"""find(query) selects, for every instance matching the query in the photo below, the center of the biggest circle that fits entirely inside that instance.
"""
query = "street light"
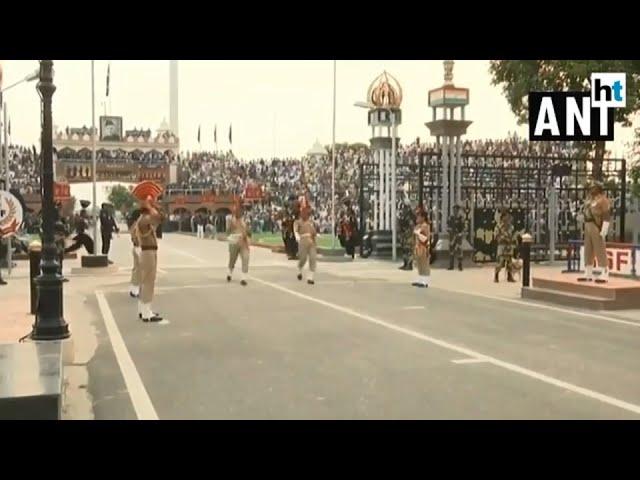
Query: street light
(29, 78)
(49, 324)
(394, 236)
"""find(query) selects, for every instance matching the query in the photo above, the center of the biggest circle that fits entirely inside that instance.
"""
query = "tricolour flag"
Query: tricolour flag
(198, 133)
(215, 134)
(230, 137)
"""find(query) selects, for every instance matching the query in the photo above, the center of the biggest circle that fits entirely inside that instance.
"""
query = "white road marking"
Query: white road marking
(191, 266)
(186, 254)
(470, 360)
(481, 295)
(417, 307)
(466, 351)
(164, 321)
(199, 286)
(547, 307)
(137, 392)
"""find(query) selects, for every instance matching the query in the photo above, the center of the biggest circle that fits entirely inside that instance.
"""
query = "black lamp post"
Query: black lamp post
(49, 324)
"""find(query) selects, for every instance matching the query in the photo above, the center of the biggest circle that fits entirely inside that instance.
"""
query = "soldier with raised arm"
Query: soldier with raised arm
(145, 229)
(422, 233)
(238, 238)
(306, 232)
(597, 215)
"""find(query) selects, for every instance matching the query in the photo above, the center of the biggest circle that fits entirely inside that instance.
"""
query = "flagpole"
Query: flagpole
(93, 155)
(333, 163)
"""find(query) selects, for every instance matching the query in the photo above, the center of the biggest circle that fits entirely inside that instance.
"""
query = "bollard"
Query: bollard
(527, 240)
(35, 255)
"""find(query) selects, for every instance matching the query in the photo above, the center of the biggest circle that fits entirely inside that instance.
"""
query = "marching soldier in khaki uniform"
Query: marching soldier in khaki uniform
(422, 234)
(305, 232)
(597, 216)
(145, 228)
(238, 238)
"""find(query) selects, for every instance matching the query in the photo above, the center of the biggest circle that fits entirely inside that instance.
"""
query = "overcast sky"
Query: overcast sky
(276, 107)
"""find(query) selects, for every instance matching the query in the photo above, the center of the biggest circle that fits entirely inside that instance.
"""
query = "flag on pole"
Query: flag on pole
(198, 133)
(230, 137)
(108, 77)
(215, 134)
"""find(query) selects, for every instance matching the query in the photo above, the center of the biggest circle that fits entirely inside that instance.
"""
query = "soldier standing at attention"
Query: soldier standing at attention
(238, 239)
(107, 227)
(597, 216)
(505, 237)
(457, 227)
(306, 232)
(134, 291)
(145, 228)
(422, 235)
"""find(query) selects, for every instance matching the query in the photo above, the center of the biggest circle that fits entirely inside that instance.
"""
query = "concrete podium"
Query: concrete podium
(564, 289)
(31, 376)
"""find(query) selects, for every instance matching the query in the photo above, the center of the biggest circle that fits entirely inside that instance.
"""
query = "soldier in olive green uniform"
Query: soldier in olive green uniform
(407, 237)
(504, 234)
(457, 228)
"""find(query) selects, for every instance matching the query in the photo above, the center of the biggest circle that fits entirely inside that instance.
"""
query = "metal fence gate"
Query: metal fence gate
(543, 194)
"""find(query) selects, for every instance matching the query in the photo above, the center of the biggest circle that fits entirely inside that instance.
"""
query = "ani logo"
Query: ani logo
(10, 214)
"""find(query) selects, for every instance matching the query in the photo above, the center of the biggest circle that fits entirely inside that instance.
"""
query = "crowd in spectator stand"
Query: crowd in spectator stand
(280, 178)
(24, 173)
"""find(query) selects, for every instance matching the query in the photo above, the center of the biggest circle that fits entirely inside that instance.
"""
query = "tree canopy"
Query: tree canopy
(121, 198)
(519, 77)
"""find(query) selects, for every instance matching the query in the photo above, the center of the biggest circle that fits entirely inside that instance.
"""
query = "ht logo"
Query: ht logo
(555, 115)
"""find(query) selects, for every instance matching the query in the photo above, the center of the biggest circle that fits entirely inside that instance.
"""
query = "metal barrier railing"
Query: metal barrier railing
(573, 257)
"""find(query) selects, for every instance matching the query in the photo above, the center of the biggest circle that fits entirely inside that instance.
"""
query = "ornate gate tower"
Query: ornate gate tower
(384, 98)
(448, 128)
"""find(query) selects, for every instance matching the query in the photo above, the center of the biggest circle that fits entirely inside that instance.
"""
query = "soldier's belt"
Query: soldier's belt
(148, 248)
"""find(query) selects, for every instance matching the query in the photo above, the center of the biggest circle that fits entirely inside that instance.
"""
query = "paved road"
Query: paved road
(349, 347)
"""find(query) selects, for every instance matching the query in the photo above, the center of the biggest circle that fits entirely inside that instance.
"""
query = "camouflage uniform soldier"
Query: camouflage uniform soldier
(407, 237)
(504, 234)
(457, 227)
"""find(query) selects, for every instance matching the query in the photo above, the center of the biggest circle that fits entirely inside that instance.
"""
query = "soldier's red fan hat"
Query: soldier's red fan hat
(147, 189)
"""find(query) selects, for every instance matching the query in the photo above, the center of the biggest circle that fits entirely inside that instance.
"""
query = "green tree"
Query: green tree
(121, 198)
(519, 77)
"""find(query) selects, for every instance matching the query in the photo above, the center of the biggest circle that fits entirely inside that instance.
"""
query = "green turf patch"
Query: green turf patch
(324, 241)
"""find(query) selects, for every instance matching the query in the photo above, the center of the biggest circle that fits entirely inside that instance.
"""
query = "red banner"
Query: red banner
(253, 192)
(61, 191)
(181, 200)
(208, 198)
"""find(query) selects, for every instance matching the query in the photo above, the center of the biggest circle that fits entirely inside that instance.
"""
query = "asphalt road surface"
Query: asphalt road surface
(346, 348)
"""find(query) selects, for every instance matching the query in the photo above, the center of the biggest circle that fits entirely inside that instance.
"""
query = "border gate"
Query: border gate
(544, 195)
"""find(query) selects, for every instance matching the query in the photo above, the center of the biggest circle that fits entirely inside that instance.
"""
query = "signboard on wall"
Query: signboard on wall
(620, 260)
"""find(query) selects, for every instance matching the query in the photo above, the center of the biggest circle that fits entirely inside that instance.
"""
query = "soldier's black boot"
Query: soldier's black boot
(450, 263)
(460, 265)
(510, 277)
(495, 278)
